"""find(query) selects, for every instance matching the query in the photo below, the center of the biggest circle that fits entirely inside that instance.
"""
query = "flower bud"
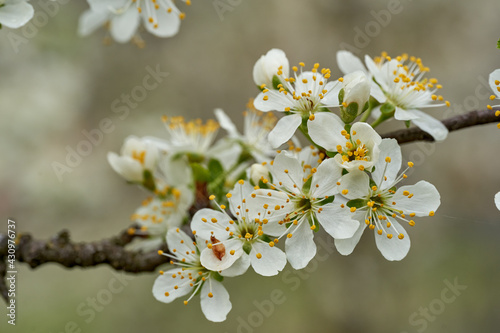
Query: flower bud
(267, 67)
(137, 156)
(257, 172)
(356, 92)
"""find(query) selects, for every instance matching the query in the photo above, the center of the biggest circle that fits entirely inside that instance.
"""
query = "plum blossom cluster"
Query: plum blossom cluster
(217, 208)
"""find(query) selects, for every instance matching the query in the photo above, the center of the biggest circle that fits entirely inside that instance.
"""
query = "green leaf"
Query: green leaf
(358, 203)
(215, 168)
(276, 82)
(247, 247)
(408, 123)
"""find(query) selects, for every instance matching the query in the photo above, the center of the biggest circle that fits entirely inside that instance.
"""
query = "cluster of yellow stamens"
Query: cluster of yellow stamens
(409, 77)
(302, 101)
(353, 150)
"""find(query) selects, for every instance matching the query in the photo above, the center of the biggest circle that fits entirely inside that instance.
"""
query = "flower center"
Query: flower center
(353, 150)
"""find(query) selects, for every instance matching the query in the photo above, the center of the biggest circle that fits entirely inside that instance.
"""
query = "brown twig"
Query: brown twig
(469, 119)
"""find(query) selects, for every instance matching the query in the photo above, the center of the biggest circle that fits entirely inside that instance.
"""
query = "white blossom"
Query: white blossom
(239, 235)
(402, 85)
(381, 208)
(301, 200)
(190, 276)
(302, 97)
(137, 156)
(161, 18)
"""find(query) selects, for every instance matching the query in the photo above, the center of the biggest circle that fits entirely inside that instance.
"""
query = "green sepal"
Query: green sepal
(195, 157)
(148, 180)
(498, 44)
(372, 183)
(331, 153)
(358, 203)
(266, 238)
(307, 185)
(216, 276)
(247, 247)
(276, 82)
(387, 109)
(408, 123)
(348, 114)
(200, 173)
(327, 200)
(344, 172)
(341, 95)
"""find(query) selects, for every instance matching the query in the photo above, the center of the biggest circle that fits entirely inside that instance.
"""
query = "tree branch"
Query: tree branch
(469, 119)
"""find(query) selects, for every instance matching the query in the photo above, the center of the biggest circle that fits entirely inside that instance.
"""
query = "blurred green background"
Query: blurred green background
(57, 84)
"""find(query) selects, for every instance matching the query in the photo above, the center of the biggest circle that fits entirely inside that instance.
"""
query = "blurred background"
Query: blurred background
(54, 85)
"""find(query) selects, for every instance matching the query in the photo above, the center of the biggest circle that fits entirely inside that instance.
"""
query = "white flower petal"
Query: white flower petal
(324, 181)
(287, 170)
(226, 123)
(497, 200)
(124, 26)
(325, 130)
(393, 249)
(402, 114)
(165, 283)
(355, 185)
(127, 167)
(347, 245)
(216, 224)
(217, 307)
(239, 267)
(300, 248)
(349, 63)
(211, 262)
(430, 125)
(275, 101)
(388, 148)
(285, 128)
(90, 21)
(425, 199)
(267, 66)
(15, 15)
(337, 221)
(378, 93)
(365, 133)
(272, 259)
(168, 22)
(181, 244)
(277, 209)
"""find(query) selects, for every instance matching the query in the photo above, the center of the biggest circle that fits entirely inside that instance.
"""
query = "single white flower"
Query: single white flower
(358, 149)
(15, 13)
(356, 87)
(379, 206)
(302, 97)
(161, 18)
(497, 200)
(190, 276)
(495, 86)
(158, 214)
(402, 85)
(303, 196)
(257, 126)
(267, 66)
(137, 157)
(240, 235)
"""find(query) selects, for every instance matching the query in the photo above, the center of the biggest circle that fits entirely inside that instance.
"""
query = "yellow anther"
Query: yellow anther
(313, 227)
(212, 197)
(289, 236)
(229, 195)
(271, 244)
(353, 209)
(401, 236)
(431, 213)
(312, 117)
(379, 231)
(389, 236)
(406, 193)
(160, 252)
(388, 159)
(344, 192)
(258, 255)
(410, 164)
(374, 188)
(361, 168)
